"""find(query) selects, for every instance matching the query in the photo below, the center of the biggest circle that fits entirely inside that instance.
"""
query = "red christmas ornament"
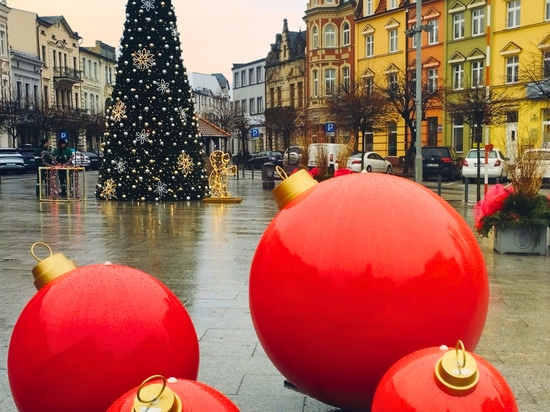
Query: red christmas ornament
(356, 272)
(436, 379)
(93, 333)
(173, 395)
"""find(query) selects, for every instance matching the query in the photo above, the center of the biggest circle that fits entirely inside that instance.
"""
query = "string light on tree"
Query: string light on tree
(152, 148)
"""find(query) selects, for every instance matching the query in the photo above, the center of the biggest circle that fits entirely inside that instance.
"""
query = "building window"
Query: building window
(392, 138)
(346, 34)
(243, 78)
(292, 94)
(300, 94)
(330, 36)
(512, 69)
(315, 83)
(458, 77)
(478, 22)
(392, 4)
(260, 104)
(547, 10)
(458, 26)
(346, 78)
(251, 79)
(314, 38)
(368, 7)
(393, 40)
(235, 80)
(369, 46)
(433, 33)
(513, 13)
(546, 64)
(369, 86)
(330, 81)
(251, 105)
(458, 133)
(392, 84)
(243, 106)
(3, 43)
(432, 80)
(477, 74)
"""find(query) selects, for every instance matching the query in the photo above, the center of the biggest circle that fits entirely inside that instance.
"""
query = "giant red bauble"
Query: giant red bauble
(357, 272)
(411, 385)
(94, 333)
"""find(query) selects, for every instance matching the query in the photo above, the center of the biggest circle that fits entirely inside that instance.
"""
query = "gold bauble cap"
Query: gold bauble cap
(456, 372)
(156, 397)
(51, 267)
(292, 186)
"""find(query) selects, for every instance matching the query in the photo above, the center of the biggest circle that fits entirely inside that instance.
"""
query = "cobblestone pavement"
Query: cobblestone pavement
(203, 253)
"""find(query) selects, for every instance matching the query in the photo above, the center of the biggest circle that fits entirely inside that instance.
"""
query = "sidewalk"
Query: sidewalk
(202, 252)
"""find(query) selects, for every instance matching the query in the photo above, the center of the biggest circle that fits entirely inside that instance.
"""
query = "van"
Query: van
(330, 152)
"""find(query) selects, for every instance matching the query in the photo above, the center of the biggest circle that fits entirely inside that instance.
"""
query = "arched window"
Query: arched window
(346, 38)
(330, 36)
(314, 38)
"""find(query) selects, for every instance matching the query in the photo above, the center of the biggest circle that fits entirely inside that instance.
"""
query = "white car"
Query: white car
(542, 157)
(373, 163)
(496, 165)
(81, 160)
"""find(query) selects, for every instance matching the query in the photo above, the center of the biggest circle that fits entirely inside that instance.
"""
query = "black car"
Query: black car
(260, 158)
(95, 160)
(28, 157)
(441, 161)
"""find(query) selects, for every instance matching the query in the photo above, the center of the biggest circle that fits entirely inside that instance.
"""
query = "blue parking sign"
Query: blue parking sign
(255, 133)
(330, 127)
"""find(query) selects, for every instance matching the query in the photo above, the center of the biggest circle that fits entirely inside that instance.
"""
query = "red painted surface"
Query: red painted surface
(358, 272)
(410, 386)
(94, 333)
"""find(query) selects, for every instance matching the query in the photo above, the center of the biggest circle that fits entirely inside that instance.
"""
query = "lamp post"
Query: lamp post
(417, 31)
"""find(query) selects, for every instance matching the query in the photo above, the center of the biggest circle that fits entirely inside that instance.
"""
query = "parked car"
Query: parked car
(496, 165)
(293, 158)
(256, 161)
(95, 160)
(80, 160)
(11, 161)
(332, 152)
(28, 158)
(441, 161)
(373, 162)
(542, 156)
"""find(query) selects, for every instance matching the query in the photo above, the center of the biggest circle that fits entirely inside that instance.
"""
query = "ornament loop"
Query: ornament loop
(281, 172)
(41, 244)
(460, 345)
(149, 379)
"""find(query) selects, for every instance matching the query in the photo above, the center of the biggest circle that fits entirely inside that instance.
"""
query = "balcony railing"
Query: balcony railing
(67, 74)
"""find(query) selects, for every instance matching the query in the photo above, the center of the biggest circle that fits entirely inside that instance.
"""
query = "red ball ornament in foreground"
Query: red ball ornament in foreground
(94, 332)
(438, 379)
(356, 272)
(173, 395)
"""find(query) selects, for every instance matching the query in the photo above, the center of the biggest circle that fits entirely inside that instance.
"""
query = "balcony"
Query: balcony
(66, 76)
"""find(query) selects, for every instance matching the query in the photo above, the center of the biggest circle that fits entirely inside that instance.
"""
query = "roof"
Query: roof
(209, 129)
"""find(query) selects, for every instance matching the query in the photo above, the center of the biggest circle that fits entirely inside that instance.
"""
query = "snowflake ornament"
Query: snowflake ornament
(185, 164)
(160, 188)
(119, 111)
(163, 86)
(174, 31)
(182, 113)
(148, 4)
(143, 59)
(109, 189)
(120, 166)
(142, 137)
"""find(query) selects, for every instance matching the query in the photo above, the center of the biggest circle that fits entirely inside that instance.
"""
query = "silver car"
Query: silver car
(496, 163)
(373, 162)
(11, 161)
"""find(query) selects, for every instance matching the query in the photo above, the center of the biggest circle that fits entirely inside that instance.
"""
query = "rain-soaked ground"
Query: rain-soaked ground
(202, 252)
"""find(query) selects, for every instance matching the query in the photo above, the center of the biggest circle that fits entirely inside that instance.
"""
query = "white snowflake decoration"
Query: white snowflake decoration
(143, 59)
(160, 188)
(182, 113)
(163, 86)
(185, 163)
(142, 137)
(174, 31)
(148, 4)
(120, 166)
(119, 111)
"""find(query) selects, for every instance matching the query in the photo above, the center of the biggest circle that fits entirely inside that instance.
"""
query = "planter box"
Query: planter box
(519, 240)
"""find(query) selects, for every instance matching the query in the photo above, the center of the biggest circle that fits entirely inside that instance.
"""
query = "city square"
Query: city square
(203, 253)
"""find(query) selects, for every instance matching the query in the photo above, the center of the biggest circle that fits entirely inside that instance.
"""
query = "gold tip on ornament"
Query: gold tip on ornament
(456, 371)
(51, 267)
(292, 186)
(156, 397)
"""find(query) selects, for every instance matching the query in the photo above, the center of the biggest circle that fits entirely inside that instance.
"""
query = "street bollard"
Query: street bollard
(439, 185)
(466, 189)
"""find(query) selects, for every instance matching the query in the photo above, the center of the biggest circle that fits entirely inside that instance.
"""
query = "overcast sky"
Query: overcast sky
(214, 33)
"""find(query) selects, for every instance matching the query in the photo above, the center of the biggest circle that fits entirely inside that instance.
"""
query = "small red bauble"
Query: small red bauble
(174, 395)
(93, 333)
(436, 379)
(356, 272)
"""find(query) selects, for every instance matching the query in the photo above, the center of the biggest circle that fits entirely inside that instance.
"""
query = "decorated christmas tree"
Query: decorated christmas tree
(152, 148)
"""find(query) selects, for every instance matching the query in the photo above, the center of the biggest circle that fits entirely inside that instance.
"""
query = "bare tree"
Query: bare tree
(13, 113)
(400, 89)
(479, 106)
(241, 124)
(281, 121)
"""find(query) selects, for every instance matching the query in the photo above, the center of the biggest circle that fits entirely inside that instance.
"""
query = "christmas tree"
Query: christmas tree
(152, 148)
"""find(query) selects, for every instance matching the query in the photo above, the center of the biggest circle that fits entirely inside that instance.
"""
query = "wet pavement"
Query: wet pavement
(202, 252)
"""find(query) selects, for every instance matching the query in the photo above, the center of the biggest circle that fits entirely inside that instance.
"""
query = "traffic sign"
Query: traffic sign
(330, 127)
(254, 133)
